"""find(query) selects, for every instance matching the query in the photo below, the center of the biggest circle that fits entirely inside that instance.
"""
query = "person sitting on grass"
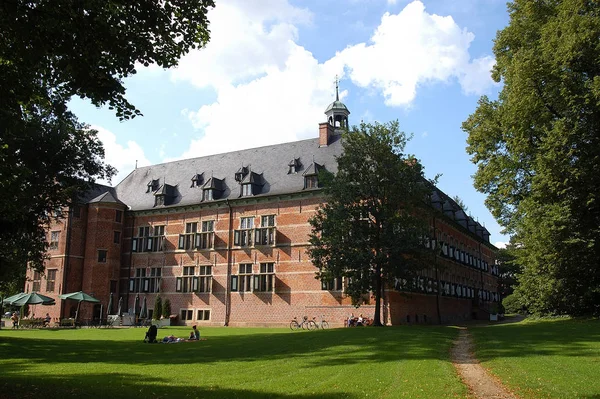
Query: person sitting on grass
(194, 334)
(151, 334)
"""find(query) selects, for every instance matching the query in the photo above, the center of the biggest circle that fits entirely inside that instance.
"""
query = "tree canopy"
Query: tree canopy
(537, 150)
(51, 51)
(370, 230)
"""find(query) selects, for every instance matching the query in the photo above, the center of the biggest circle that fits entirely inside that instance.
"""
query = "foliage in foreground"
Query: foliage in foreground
(536, 148)
(543, 358)
(248, 363)
(370, 229)
(51, 51)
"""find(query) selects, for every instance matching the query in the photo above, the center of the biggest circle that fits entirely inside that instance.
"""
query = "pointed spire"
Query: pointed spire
(337, 96)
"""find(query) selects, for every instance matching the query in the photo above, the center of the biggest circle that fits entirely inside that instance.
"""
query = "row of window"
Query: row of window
(50, 281)
(461, 256)
(199, 279)
(201, 314)
(446, 288)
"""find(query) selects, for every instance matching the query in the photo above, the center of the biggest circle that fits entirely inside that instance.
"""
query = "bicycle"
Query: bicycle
(305, 324)
(323, 324)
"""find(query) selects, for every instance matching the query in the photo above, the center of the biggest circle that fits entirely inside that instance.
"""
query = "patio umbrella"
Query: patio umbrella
(119, 311)
(33, 298)
(144, 310)
(12, 298)
(79, 296)
(110, 305)
(136, 304)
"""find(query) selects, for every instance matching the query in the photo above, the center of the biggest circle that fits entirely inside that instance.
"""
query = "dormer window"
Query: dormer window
(311, 181)
(165, 195)
(198, 180)
(251, 184)
(311, 176)
(159, 200)
(153, 185)
(294, 166)
(246, 190)
(212, 189)
(208, 194)
(241, 174)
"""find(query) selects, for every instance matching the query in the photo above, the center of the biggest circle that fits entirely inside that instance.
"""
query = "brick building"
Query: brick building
(224, 237)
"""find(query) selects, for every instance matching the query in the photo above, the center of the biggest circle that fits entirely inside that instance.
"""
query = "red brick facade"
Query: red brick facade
(243, 262)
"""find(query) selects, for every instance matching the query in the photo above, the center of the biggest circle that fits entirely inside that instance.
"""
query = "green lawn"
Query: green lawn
(395, 362)
(557, 358)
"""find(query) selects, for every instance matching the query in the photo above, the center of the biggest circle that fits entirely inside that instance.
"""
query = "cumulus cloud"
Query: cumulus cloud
(500, 244)
(271, 90)
(412, 48)
(122, 158)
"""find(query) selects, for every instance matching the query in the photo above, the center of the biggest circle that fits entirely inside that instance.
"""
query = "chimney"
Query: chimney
(325, 132)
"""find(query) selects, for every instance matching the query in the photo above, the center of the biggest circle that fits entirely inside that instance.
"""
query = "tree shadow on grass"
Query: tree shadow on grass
(338, 346)
(128, 386)
(570, 337)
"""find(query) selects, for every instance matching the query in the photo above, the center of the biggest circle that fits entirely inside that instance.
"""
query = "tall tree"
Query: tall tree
(537, 150)
(49, 52)
(369, 231)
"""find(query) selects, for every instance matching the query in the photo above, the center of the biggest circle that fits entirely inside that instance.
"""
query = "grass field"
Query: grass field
(557, 358)
(396, 362)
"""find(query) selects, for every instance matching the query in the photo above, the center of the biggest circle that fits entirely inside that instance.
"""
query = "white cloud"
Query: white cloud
(122, 158)
(270, 90)
(414, 48)
(500, 244)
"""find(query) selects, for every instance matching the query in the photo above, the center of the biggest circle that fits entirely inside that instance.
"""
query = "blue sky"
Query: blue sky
(268, 73)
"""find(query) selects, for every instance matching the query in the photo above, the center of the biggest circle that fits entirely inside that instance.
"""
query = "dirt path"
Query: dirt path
(481, 384)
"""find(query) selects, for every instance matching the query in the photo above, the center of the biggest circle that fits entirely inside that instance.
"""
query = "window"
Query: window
(186, 314)
(156, 241)
(203, 314)
(243, 237)
(266, 234)
(159, 200)
(54, 239)
(139, 283)
(246, 190)
(334, 284)
(154, 279)
(186, 241)
(117, 237)
(197, 180)
(36, 281)
(187, 283)
(205, 239)
(243, 281)
(208, 194)
(102, 255)
(204, 279)
(138, 244)
(263, 282)
(118, 216)
(311, 181)
(50, 280)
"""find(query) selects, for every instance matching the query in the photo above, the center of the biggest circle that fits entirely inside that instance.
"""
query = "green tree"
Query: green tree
(51, 51)
(158, 308)
(166, 308)
(370, 227)
(536, 148)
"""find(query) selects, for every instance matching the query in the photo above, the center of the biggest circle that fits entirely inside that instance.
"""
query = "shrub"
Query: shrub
(166, 309)
(514, 304)
(158, 308)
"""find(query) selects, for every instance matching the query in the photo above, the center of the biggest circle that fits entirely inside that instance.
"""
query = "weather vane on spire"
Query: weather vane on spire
(337, 96)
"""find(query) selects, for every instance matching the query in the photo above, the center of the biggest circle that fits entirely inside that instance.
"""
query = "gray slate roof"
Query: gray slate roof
(271, 161)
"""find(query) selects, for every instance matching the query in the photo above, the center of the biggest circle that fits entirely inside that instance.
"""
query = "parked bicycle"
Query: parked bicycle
(322, 324)
(306, 324)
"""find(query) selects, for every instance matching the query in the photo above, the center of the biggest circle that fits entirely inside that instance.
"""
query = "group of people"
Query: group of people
(358, 321)
(15, 320)
(153, 332)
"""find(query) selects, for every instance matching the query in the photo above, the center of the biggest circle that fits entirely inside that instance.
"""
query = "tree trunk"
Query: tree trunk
(377, 316)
